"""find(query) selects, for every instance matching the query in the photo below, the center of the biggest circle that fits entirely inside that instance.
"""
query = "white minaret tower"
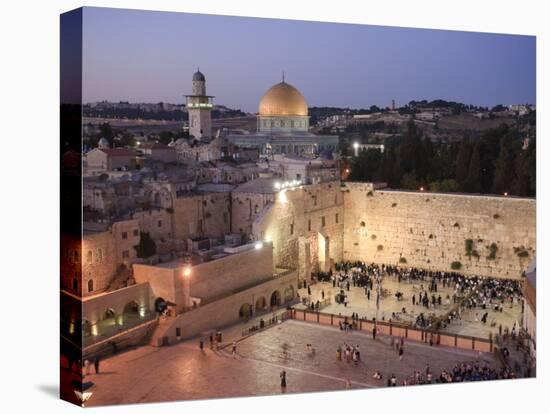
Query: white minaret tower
(199, 107)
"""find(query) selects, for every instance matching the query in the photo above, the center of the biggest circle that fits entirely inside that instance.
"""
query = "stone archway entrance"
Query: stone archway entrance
(261, 304)
(245, 311)
(275, 299)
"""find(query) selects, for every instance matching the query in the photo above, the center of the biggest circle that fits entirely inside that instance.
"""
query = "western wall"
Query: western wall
(315, 226)
(433, 231)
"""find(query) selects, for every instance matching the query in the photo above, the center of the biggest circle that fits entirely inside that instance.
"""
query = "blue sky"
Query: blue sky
(143, 56)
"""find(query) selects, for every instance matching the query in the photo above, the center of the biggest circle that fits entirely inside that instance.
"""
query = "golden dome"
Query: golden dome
(283, 99)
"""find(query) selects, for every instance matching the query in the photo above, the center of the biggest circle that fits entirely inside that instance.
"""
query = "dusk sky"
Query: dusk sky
(142, 56)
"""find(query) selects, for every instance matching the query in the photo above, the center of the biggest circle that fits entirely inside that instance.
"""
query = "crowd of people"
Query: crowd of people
(473, 293)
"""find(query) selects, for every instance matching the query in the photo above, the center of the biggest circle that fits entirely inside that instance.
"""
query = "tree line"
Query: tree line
(497, 162)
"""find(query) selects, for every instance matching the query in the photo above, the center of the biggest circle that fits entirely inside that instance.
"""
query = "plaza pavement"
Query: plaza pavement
(183, 372)
(470, 324)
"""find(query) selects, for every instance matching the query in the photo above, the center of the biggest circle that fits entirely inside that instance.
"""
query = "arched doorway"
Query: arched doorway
(130, 313)
(289, 293)
(109, 314)
(131, 307)
(275, 299)
(261, 304)
(245, 311)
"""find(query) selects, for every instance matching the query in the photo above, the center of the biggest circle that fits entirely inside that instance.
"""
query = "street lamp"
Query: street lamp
(187, 271)
(258, 245)
(356, 148)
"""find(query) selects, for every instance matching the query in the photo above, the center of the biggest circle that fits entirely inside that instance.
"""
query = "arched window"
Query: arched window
(90, 285)
(89, 257)
(99, 255)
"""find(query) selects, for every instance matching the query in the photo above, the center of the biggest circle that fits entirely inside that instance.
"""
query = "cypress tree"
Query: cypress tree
(463, 161)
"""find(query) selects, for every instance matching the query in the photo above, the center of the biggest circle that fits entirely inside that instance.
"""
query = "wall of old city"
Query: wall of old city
(300, 223)
(429, 230)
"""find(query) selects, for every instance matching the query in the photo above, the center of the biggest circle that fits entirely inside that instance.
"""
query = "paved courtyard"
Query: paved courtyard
(183, 372)
(470, 324)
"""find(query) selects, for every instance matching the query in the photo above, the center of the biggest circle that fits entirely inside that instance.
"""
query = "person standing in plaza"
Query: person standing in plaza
(234, 349)
(322, 294)
(282, 376)
(374, 333)
(96, 364)
(201, 344)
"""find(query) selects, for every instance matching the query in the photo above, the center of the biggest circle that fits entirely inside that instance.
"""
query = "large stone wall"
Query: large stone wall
(430, 230)
(300, 222)
(231, 273)
(206, 214)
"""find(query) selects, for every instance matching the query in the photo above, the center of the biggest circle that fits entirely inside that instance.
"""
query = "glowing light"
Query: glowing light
(277, 186)
(347, 170)
(258, 245)
(282, 198)
(506, 194)
(355, 145)
(421, 188)
(187, 271)
(268, 239)
(142, 311)
(94, 330)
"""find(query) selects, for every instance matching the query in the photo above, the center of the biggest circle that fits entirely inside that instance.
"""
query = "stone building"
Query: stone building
(158, 152)
(109, 159)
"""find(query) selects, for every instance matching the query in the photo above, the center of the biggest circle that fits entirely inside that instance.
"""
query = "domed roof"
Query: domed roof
(283, 99)
(198, 76)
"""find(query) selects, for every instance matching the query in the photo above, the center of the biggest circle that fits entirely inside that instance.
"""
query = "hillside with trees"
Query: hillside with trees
(497, 162)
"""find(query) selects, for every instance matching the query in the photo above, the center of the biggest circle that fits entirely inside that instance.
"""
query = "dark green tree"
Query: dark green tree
(473, 181)
(463, 161)
(504, 167)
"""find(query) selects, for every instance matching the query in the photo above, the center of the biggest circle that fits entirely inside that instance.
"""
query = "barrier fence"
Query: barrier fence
(396, 329)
